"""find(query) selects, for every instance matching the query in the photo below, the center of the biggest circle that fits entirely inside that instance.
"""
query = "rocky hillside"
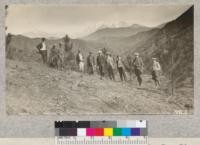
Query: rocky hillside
(173, 46)
(47, 91)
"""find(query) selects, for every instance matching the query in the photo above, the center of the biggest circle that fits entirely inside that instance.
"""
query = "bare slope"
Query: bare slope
(33, 88)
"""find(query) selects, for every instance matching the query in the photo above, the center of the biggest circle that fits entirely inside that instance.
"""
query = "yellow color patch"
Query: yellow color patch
(108, 132)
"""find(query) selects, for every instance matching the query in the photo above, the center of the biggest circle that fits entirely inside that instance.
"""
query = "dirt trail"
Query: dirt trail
(33, 88)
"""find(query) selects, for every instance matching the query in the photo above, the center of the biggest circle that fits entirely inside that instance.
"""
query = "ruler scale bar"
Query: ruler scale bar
(101, 141)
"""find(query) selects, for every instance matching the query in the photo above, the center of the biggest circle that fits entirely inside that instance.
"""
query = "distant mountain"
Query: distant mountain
(39, 34)
(116, 32)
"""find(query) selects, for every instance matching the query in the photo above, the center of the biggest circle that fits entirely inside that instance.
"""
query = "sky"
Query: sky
(81, 20)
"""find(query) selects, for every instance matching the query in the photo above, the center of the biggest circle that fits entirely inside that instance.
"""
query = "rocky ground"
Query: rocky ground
(33, 88)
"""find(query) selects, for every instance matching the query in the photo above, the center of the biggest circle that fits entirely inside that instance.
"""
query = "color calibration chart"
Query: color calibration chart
(132, 132)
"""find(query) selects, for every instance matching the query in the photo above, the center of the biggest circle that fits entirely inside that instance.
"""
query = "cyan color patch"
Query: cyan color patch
(126, 132)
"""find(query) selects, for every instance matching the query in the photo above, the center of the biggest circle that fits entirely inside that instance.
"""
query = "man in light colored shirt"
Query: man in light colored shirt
(43, 50)
(80, 61)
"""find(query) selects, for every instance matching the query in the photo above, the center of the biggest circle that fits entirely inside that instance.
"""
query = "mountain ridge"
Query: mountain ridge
(116, 32)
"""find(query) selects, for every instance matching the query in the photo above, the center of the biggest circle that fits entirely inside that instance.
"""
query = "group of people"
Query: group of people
(54, 57)
(106, 64)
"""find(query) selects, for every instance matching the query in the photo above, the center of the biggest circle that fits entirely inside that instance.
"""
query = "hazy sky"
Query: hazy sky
(80, 20)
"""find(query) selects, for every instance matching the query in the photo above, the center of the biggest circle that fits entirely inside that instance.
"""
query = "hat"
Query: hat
(154, 58)
(136, 54)
(100, 51)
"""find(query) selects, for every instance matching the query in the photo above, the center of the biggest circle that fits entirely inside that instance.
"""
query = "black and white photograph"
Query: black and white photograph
(99, 59)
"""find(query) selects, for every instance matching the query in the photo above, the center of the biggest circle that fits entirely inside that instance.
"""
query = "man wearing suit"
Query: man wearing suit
(138, 67)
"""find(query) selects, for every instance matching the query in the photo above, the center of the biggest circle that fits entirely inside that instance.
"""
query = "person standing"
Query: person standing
(156, 69)
(138, 67)
(130, 66)
(120, 67)
(54, 57)
(80, 61)
(43, 50)
(90, 63)
(61, 55)
(100, 64)
(110, 66)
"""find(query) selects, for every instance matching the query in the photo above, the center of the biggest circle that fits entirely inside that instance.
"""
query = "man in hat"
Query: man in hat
(156, 69)
(100, 63)
(43, 50)
(90, 63)
(138, 67)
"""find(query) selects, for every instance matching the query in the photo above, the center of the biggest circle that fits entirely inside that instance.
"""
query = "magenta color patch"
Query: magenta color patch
(90, 132)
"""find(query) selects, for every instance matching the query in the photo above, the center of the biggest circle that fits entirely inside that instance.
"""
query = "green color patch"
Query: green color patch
(117, 131)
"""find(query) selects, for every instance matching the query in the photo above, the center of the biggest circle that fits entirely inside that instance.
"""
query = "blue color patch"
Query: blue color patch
(135, 131)
(126, 132)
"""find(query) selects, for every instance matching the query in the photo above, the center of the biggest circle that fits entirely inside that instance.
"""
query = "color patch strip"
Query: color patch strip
(101, 132)
(101, 128)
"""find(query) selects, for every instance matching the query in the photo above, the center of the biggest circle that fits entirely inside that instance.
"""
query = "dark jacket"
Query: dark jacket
(90, 60)
(100, 60)
(138, 63)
